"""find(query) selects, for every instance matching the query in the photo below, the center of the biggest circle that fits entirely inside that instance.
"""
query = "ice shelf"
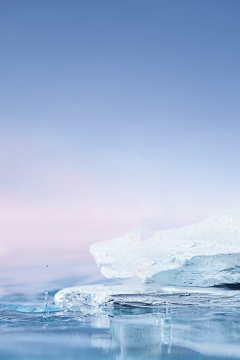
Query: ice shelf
(203, 254)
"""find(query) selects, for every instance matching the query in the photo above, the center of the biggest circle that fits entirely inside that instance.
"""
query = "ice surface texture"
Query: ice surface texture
(203, 254)
(91, 299)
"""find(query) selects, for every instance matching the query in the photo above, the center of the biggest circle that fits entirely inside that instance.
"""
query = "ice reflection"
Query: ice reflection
(151, 336)
(141, 337)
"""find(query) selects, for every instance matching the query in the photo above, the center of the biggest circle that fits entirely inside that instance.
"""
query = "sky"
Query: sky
(114, 116)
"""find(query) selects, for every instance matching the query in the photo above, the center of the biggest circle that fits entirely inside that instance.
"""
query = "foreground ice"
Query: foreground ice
(92, 299)
(203, 254)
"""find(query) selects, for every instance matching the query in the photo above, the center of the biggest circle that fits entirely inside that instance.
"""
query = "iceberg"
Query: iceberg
(204, 254)
(188, 266)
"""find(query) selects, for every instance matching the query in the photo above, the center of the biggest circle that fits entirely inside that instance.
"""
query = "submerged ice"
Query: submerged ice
(203, 254)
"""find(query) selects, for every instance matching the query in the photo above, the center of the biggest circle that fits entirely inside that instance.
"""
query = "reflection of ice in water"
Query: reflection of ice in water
(140, 337)
(186, 331)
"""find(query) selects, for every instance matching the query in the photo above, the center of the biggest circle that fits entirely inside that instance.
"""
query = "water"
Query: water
(46, 315)
(33, 327)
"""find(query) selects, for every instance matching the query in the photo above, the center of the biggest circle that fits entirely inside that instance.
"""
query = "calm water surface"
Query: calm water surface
(166, 332)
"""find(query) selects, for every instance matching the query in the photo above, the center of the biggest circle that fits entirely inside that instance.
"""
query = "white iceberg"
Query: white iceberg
(203, 254)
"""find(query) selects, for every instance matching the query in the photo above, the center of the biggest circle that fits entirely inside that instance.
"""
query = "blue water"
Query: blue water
(127, 332)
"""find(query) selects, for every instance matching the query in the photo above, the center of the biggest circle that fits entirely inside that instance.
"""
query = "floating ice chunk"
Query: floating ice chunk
(91, 299)
(203, 254)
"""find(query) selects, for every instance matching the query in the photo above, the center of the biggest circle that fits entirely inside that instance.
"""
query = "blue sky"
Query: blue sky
(116, 114)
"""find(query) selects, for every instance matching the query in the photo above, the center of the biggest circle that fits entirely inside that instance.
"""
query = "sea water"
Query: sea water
(182, 323)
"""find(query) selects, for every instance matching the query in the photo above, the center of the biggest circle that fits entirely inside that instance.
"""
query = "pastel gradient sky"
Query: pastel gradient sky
(114, 115)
